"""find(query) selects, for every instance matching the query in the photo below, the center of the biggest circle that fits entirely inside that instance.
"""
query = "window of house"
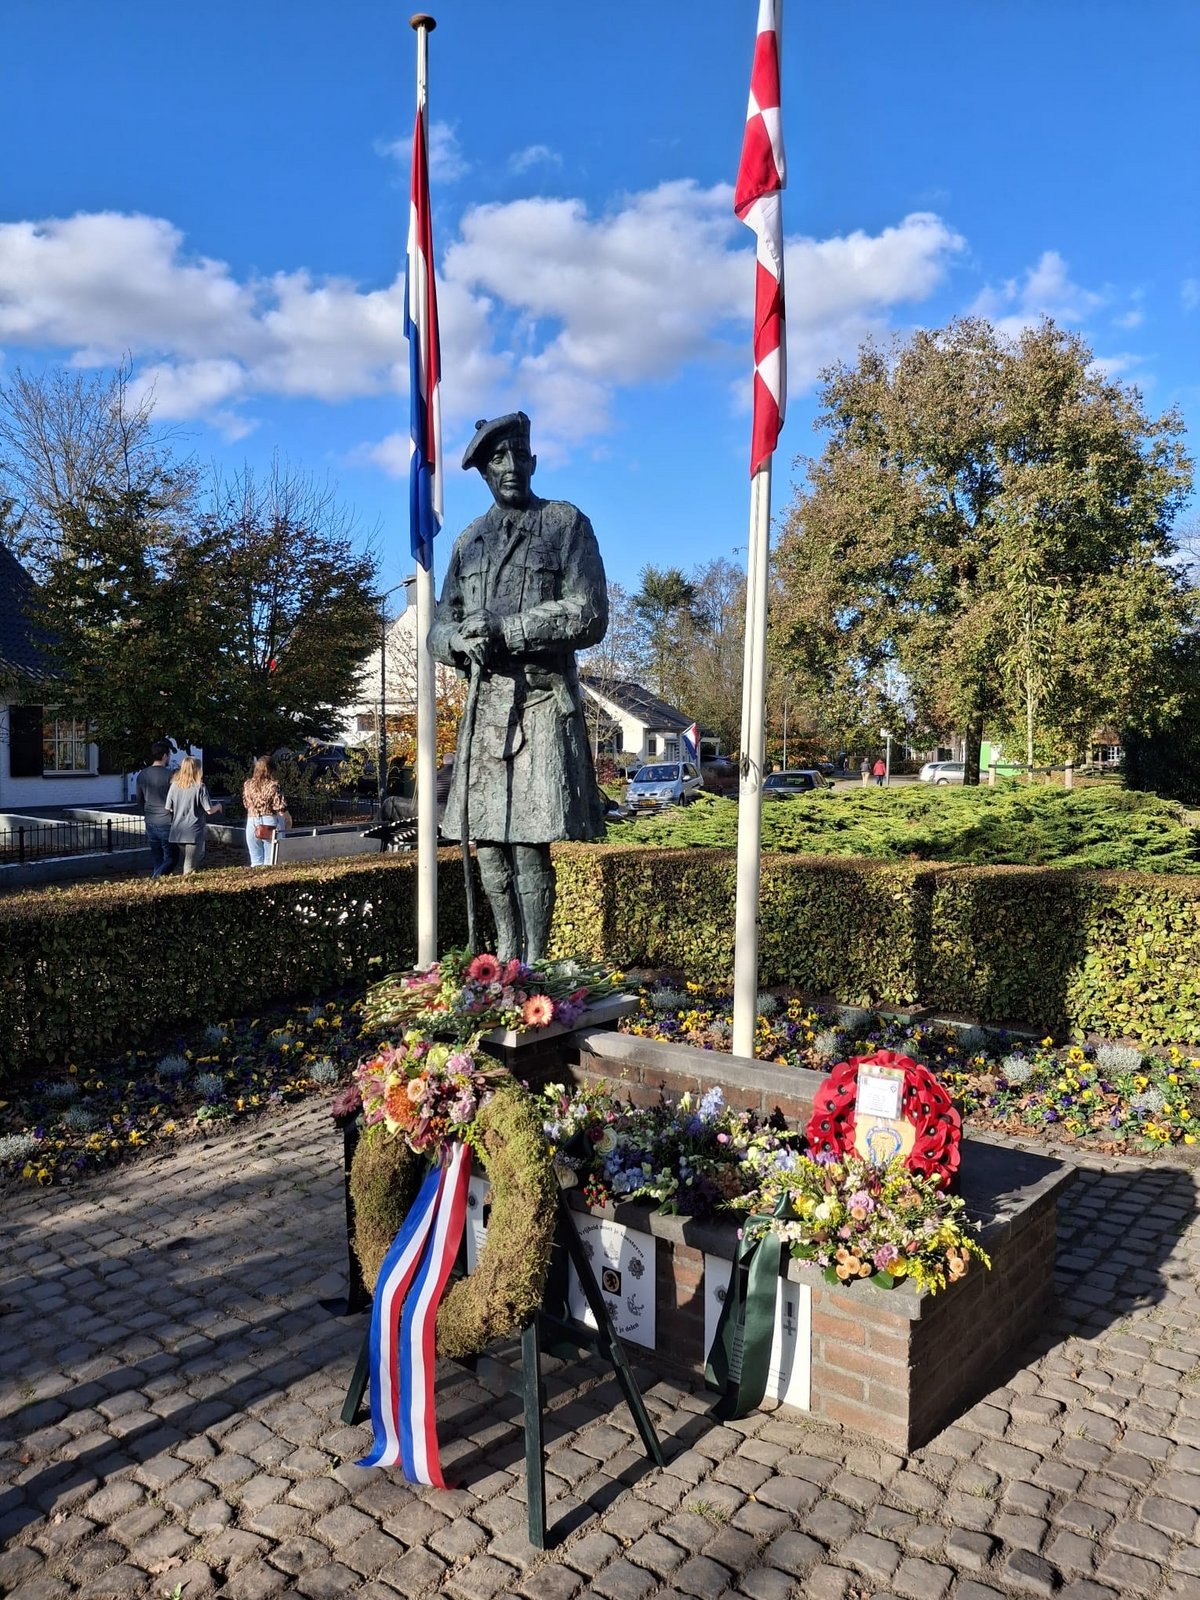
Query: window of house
(651, 745)
(66, 745)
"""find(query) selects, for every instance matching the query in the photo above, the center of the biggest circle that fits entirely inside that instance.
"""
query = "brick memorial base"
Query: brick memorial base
(895, 1365)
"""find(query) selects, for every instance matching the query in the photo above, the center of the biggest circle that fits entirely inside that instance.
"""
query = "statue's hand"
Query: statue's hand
(471, 649)
(479, 633)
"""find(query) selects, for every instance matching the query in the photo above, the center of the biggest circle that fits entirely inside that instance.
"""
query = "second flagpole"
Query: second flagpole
(427, 821)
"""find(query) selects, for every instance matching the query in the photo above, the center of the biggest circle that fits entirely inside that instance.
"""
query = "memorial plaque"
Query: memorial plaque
(623, 1261)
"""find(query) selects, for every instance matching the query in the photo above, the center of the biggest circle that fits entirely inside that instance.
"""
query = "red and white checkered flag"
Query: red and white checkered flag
(762, 174)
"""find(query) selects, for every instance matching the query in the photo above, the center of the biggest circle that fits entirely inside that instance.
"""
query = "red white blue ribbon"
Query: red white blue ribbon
(403, 1317)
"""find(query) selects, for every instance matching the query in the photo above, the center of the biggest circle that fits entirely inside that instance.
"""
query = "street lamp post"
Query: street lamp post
(382, 757)
(887, 757)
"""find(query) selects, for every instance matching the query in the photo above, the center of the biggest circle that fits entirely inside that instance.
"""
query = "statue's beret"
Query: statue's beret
(489, 434)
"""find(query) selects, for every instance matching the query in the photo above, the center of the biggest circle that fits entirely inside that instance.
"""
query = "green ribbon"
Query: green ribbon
(740, 1357)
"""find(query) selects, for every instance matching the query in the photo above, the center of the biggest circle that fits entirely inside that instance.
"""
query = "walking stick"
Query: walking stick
(465, 796)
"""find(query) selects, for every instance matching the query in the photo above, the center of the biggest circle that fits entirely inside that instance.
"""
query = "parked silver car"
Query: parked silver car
(663, 783)
(942, 772)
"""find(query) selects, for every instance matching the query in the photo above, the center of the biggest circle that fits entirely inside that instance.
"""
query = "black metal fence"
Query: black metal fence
(43, 841)
(320, 812)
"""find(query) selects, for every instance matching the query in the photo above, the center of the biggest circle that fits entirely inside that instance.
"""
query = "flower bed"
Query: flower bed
(1105, 1097)
(57, 1130)
(1108, 1097)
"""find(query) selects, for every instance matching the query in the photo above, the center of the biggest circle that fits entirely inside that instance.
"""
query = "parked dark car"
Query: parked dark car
(721, 775)
(798, 780)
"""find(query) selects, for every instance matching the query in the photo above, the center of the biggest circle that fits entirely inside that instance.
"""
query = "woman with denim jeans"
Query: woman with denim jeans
(265, 808)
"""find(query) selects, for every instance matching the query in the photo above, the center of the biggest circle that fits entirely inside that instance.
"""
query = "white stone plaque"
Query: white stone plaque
(790, 1370)
(479, 1205)
(623, 1261)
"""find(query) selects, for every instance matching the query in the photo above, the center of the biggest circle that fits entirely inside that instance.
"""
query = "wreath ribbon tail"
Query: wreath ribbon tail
(417, 1422)
(395, 1275)
(740, 1358)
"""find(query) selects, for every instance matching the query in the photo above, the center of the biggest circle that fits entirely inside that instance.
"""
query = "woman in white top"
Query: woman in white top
(189, 808)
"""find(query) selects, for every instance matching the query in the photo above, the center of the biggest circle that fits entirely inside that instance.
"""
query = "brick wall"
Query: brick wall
(895, 1364)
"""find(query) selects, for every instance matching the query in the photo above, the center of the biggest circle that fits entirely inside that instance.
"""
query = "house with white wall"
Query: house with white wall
(388, 677)
(46, 758)
(625, 719)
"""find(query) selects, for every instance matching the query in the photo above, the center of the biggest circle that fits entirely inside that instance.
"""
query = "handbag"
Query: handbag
(264, 830)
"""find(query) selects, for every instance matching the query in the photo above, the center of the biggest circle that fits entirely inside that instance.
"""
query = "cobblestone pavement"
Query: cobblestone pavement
(170, 1389)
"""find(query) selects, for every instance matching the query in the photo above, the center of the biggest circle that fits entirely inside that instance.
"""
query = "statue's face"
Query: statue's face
(508, 471)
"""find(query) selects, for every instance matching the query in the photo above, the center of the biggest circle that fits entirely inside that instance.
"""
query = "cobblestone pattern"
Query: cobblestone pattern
(170, 1389)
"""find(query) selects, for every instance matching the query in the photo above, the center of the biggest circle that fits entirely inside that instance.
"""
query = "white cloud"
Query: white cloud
(1117, 364)
(541, 303)
(534, 155)
(1130, 319)
(447, 164)
(1045, 290)
(1190, 294)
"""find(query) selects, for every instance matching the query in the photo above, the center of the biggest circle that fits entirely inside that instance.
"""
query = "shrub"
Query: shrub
(1117, 954)
(1102, 827)
(829, 927)
(89, 971)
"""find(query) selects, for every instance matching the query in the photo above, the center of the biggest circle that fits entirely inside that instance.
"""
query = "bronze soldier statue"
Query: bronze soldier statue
(525, 590)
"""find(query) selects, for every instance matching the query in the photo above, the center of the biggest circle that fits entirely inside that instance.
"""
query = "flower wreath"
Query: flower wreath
(923, 1103)
(507, 1285)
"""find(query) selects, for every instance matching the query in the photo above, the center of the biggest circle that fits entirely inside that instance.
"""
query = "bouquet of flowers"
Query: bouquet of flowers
(695, 1157)
(857, 1220)
(426, 1092)
(464, 995)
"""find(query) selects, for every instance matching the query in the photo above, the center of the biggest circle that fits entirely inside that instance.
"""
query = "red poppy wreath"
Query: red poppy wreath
(937, 1126)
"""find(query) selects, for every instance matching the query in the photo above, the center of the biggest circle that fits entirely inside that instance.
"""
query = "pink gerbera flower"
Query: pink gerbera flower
(484, 969)
(538, 1011)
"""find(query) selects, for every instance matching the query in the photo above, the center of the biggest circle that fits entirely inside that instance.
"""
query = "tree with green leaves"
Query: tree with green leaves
(664, 604)
(298, 608)
(241, 620)
(985, 542)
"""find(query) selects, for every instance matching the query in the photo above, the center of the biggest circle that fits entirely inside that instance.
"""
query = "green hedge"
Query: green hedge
(827, 926)
(1116, 953)
(90, 971)
(96, 969)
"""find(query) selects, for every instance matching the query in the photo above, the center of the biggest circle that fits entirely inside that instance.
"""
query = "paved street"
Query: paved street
(170, 1389)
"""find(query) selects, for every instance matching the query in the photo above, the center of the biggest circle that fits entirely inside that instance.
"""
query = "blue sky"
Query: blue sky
(221, 191)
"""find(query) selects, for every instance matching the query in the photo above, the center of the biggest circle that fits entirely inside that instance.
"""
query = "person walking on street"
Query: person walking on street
(190, 808)
(880, 771)
(151, 800)
(865, 769)
(267, 816)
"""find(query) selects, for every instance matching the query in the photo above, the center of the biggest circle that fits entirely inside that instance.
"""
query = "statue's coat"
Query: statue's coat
(530, 769)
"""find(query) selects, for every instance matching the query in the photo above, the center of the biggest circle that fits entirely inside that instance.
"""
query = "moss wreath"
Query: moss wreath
(506, 1288)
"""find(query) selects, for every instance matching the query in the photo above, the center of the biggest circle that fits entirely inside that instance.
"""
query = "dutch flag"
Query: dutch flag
(424, 362)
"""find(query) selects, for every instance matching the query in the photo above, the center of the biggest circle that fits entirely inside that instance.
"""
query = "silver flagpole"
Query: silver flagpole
(427, 825)
(749, 836)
